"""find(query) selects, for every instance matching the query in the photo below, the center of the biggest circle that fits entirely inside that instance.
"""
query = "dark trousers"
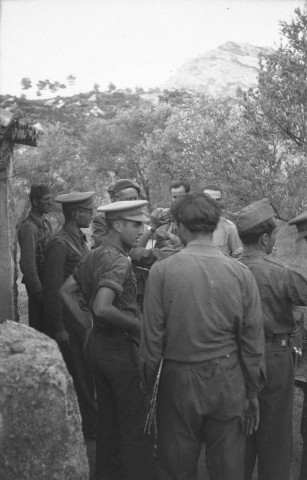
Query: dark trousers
(201, 403)
(35, 313)
(78, 365)
(303, 474)
(273, 440)
(121, 410)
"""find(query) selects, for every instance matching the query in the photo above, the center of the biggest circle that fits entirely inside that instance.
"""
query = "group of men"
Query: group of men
(218, 329)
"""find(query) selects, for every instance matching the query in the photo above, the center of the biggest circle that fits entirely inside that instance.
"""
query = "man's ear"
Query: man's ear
(117, 226)
(264, 239)
(35, 202)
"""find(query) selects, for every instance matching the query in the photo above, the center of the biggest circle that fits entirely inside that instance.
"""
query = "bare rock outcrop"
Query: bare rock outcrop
(40, 425)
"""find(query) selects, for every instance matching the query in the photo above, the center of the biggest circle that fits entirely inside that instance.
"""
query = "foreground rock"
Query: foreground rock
(40, 424)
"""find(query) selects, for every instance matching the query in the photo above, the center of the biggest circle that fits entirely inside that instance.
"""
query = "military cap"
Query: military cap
(301, 225)
(126, 209)
(39, 190)
(76, 199)
(254, 214)
(125, 183)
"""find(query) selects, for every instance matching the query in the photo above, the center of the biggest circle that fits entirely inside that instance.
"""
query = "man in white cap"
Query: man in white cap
(225, 235)
(280, 288)
(64, 251)
(108, 284)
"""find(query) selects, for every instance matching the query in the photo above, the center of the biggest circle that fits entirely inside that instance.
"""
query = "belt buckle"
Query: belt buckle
(283, 343)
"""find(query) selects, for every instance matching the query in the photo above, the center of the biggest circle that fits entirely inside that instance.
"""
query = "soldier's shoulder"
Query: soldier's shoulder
(236, 261)
(275, 262)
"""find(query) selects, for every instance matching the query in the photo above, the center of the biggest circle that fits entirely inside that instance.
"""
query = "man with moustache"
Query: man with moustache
(33, 234)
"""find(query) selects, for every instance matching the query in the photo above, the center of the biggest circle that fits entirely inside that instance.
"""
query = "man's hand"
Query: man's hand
(156, 222)
(62, 338)
(250, 417)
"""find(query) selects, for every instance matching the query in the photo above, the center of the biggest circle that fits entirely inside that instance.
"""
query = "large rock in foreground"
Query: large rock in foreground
(40, 424)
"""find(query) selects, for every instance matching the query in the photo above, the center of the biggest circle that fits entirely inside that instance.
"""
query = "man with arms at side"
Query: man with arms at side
(225, 235)
(108, 283)
(64, 251)
(212, 345)
(33, 234)
(280, 287)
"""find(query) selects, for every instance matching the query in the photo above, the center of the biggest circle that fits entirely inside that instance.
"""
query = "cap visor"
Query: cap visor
(136, 218)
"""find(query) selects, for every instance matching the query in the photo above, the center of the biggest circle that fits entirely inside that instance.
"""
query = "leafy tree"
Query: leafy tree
(116, 147)
(111, 87)
(26, 83)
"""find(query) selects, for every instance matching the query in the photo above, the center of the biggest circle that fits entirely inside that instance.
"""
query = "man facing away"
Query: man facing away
(225, 236)
(280, 287)
(107, 281)
(203, 315)
(33, 234)
(64, 251)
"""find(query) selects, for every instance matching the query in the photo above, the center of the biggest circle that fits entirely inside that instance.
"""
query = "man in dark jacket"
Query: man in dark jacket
(33, 234)
(63, 252)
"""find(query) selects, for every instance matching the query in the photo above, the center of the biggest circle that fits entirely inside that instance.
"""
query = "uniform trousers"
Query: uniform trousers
(303, 473)
(78, 365)
(121, 409)
(201, 403)
(35, 313)
(273, 440)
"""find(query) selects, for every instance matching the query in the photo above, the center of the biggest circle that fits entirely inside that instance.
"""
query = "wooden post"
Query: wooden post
(8, 293)
(11, 132)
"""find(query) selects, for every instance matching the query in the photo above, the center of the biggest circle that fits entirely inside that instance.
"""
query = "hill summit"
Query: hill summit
(221, 71)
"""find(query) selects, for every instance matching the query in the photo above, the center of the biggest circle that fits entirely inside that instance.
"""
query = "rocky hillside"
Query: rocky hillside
(221, 71)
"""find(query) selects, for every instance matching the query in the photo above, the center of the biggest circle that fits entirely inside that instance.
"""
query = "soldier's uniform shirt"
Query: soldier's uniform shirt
(33, 235)
(280, 287)
(114, 355)
(202, 312)
(100, 230)
(194, 312)
(226, 237)
(63, 252)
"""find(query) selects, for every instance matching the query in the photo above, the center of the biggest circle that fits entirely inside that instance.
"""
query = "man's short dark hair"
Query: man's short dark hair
(251, 236)
(181, 183)
(198, 212)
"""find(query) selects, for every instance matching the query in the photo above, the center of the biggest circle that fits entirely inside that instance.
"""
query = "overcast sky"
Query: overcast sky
(129, 42)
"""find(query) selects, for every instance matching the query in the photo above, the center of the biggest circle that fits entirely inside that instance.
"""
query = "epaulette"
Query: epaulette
(275, 262)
